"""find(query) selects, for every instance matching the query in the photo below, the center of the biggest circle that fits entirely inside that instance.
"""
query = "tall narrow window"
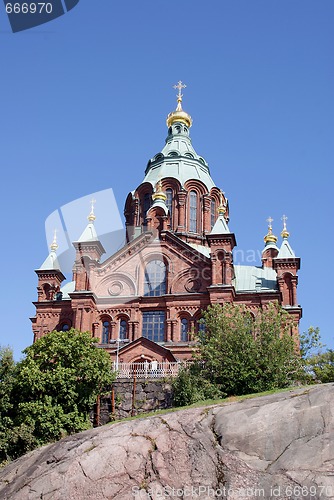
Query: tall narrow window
(193, 211)
(169, 203)
(213, 213)
(123, 329)
(154, 325)
(105, 332)
(146, 204)
(184, 330)
(155, 278)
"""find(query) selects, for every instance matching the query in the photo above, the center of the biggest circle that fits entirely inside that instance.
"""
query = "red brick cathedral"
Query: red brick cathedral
(146, 300)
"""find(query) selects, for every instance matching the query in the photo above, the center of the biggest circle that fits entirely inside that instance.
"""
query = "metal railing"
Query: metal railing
(146, 370)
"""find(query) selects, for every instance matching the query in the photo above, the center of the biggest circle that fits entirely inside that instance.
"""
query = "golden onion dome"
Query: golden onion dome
(179, 115)
(270, 237)
(159, 194)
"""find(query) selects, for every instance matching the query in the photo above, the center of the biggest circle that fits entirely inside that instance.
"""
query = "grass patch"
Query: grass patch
(211, 402)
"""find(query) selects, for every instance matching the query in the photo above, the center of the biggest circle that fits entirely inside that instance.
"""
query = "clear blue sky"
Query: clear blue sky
(83, 106)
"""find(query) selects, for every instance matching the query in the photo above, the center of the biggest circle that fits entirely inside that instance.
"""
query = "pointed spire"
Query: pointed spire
(54, 245)
(270, 237)
(89, 233)
(285, 252)
(179, 115)
(51, 262)
(220, 226)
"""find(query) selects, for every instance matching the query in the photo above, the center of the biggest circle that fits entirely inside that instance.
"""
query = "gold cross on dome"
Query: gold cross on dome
(179, 86)
(284, 219)
(270, 220)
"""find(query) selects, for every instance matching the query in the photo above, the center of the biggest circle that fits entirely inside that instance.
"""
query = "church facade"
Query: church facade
(146, 300)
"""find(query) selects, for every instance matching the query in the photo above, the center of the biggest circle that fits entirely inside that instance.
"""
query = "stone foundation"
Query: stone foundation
(149, 395)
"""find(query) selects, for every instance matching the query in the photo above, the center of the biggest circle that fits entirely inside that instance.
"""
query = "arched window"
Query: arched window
(213, 213)
(146, 203)
(65, 327)
(155, 278)
(105, 332)
(193, 211)
(123, 329)
(169, 204)
(184, 330)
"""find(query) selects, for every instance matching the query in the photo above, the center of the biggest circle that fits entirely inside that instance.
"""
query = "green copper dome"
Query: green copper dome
(178, 160)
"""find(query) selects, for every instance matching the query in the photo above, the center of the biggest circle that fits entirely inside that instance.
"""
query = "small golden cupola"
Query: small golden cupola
(270, 237)
(158, 193)
(179, 115)
(285, 233)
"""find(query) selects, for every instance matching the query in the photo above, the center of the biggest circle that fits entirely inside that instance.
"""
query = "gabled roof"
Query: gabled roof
(149, 345)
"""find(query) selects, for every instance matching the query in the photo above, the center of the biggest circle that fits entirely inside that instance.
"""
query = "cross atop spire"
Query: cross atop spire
(179, 115)
(179, 87)
(285, 233)
(270, 220)
(270, 237)
(91, 217)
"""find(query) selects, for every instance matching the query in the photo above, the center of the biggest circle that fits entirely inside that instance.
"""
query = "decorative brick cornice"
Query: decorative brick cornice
(293, 263)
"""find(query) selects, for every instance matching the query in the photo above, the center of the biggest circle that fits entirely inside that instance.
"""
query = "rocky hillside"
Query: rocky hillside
(271, 447)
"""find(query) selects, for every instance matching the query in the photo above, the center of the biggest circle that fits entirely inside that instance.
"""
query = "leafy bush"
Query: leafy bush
(189, 387)
(51, 391)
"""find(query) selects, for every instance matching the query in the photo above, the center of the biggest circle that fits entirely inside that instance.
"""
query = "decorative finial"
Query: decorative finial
(158, 193)
(179, 95)
(285, 233)
(222, 204)
(91, 217)
(54, 245)
(179, 115)
(270, 237)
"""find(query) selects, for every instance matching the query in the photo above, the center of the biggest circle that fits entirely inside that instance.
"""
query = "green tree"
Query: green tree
(242, 354)
(7, 380)
(56, 386)
(310, 342)
(321, 366)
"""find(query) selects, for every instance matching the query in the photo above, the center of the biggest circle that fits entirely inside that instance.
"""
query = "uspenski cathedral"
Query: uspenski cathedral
(146, 300)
